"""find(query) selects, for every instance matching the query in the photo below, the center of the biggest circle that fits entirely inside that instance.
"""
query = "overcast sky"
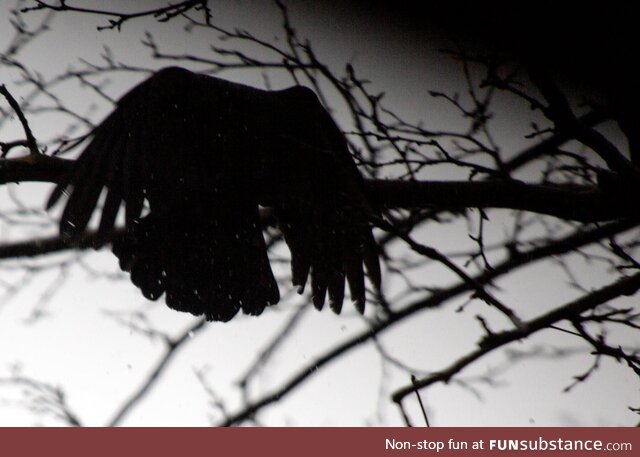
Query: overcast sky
(99, 363)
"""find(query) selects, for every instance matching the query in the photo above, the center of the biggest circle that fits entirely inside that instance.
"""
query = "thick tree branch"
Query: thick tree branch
(570, 202)
(34, 168)
(50, 245)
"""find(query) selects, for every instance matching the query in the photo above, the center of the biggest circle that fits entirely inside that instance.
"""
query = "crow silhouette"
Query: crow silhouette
(192, 158)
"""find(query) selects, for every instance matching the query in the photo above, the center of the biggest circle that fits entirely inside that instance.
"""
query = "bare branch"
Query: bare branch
(434, 300)
(44, 398)
(30, 140)
(625, 286)
(571, 202)
(162, 14)
(173, 346)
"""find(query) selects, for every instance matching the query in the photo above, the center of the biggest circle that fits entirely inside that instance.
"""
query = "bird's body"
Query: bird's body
(204, 153)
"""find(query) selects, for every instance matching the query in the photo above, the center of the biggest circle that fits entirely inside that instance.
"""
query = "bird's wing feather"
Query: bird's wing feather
(318, 195)
(170, 141)
(204, 153)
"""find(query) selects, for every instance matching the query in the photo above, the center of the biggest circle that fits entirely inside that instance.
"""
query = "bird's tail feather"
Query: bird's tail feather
(201, 267)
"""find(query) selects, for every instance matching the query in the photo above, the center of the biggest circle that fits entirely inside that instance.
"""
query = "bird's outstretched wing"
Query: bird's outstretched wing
(318, 195)
(191, 158)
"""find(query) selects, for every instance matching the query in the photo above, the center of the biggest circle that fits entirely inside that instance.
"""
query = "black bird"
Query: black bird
(193, 157)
